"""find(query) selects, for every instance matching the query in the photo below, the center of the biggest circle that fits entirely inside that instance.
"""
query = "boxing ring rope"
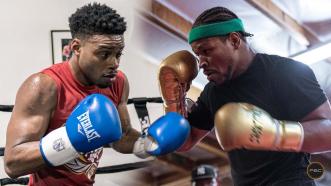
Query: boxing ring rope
(140, 105)
(20, 181)
(6, 108)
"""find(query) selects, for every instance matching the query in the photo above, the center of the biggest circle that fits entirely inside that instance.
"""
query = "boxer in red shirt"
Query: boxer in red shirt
(39, 138)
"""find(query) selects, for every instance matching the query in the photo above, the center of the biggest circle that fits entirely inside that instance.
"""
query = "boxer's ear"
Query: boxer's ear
(234, 39)
(75, 46)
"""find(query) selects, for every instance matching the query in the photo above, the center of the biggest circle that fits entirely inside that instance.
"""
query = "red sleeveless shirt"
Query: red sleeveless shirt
(70, 92)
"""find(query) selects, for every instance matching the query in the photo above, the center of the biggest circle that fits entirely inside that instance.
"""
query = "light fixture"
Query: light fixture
(314, 54)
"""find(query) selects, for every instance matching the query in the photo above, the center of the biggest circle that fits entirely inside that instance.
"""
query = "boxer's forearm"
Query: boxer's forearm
(316, 136)
(126, 143)
(23, 159)
(188, 145)
(196, 135)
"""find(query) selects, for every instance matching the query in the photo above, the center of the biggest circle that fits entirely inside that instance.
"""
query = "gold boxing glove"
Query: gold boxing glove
(176, 73)
(242, 125)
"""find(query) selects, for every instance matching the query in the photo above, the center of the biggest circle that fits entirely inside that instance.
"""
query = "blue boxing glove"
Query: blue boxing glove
(93, 123)
(165, 135)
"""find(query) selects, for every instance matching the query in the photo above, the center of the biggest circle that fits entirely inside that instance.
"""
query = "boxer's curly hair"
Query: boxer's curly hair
(96, 18)
(217, 14)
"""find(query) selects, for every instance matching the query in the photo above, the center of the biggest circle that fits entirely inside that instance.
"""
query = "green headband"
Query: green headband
(215, 29)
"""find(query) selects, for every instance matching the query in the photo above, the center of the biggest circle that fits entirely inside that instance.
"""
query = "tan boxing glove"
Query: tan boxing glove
(176, 73)
(242, 125)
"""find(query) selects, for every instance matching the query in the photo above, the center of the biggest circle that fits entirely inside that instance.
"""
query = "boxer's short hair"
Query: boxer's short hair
(96, 19)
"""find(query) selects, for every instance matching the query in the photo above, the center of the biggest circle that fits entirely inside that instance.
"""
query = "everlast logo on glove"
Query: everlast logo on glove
(87, 126)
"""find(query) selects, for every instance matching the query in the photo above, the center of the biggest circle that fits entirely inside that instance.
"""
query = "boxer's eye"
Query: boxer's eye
(207, 51)
(119, 54)
(104, 55)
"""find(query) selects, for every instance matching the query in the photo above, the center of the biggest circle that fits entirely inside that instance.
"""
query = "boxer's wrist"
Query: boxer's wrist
(178, 107)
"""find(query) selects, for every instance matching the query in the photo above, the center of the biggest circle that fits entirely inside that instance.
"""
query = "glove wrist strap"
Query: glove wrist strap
(56, 148)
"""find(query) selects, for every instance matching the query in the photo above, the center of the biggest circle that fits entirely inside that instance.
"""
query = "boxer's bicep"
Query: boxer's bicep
(317, 128)
(33, 106)
(321, 112)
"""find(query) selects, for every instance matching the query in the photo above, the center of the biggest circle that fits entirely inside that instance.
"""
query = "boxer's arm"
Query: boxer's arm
(201, 123)
(35, 101)
(317, 129)
(130, 135)
(306, 101)
(242, 125)
(196, 135)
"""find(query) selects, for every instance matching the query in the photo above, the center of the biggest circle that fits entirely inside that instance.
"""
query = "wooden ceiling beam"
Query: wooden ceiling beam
(166, 16)
(159, 22)
(171, 18)
(296, 30)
